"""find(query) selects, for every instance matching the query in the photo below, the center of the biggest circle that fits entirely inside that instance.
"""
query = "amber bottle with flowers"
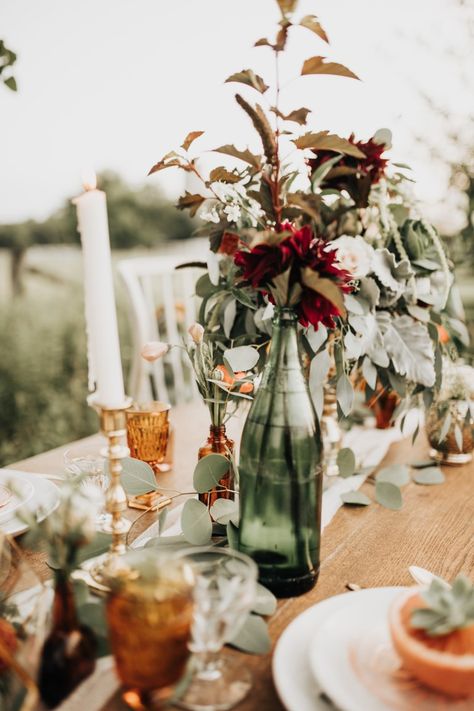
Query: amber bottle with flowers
(224, 380)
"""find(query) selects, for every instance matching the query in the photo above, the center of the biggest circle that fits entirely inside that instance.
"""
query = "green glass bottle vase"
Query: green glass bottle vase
(280, 471)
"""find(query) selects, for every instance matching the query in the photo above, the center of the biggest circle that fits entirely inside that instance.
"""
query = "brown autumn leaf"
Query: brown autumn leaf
(263, 42)
(248, 77)
(223, 175)
(325, 141)
(247, 156)
(190, 201)
(320, 65)
(190, 138)
(298, 115)
(170, 160)
(287, 6)
(325, 287)
(311, 22)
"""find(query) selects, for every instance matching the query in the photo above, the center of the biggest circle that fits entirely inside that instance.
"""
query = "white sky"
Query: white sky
(118, 83)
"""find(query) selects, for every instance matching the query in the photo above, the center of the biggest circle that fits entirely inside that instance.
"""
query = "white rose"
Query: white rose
(353, 254)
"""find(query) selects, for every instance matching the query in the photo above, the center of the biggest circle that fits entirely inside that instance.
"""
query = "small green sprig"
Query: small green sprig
(448, 608)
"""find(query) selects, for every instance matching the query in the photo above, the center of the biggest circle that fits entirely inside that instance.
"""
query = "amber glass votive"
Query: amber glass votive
(149, 619)
(148, 433)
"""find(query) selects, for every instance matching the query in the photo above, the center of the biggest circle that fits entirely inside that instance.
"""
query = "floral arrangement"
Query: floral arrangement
(222, 377)
(331, 230)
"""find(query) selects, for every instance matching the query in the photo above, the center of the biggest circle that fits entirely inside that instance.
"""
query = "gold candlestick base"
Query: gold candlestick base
(113, 425)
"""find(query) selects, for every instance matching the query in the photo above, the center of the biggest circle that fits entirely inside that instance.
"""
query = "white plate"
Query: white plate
(45, 497)
(353, 659)
(341, 632)
(294, 680)
(21, 492)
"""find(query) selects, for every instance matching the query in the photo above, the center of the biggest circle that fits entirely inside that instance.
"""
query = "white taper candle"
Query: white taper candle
(105, 367)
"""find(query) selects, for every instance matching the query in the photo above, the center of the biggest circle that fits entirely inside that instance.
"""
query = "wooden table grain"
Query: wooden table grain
(370, 546)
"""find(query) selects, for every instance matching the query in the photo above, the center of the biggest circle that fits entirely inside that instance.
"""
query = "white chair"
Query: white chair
(162, 306)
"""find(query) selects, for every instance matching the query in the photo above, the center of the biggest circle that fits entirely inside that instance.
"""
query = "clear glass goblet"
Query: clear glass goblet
(224, 593)
(91, 466)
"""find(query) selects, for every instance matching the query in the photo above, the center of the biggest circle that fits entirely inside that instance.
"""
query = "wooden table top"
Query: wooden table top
(370, 546)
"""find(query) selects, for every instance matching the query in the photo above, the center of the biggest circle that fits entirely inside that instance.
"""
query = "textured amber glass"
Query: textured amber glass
(149, 629)
(218, 443)
(148, 432)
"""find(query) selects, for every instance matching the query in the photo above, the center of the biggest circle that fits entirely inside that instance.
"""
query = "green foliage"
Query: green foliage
(43, 376)
(355, 498)
(448, 607)
(7, 60)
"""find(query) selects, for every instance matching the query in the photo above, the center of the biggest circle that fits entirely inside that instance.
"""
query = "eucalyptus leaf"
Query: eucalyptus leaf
(242, 358)
(265, 602)
(319, 369)
(355, 498)
(252, 637)
(224, 510)
(388, 495)
(208, 471)
(394, 474)
(196, 523)
(429, 476)
(422, 464)
(458, 437)
(137, 477)
(369, 371)
(355, 305)
(445, 427)
(230, 312)
(346, 462)
(317, 395)
(317, 337)
(345, 394)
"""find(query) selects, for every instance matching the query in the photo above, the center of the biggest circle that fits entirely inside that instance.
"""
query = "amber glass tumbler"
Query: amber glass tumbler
(149, 614)
(148, 432)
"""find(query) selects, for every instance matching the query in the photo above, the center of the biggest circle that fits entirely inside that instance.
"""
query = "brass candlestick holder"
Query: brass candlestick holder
(113, 425)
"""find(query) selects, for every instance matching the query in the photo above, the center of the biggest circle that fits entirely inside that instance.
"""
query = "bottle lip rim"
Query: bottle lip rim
(286, 312)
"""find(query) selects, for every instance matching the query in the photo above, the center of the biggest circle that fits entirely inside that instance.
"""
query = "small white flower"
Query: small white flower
(153, 350)
(232, 212)
(210, 215)
(353, 254)
(196, 331)
(222, 190)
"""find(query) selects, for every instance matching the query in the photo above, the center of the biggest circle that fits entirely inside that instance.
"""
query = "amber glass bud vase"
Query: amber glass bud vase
(218, 443)
(69, 652)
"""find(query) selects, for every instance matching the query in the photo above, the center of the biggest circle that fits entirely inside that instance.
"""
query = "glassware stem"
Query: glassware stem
(207, 666)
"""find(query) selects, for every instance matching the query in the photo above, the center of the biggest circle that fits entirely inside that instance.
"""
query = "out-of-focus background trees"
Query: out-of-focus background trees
(43, 370)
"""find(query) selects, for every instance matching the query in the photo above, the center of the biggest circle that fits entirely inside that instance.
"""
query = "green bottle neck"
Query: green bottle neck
(284, 354)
